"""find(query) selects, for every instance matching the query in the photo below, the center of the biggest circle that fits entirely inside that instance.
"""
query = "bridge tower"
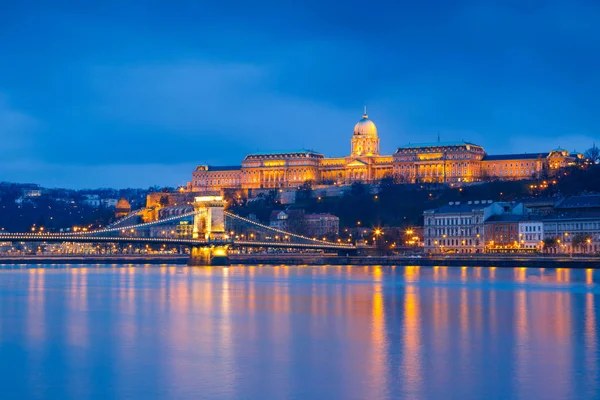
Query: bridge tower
(209, 224)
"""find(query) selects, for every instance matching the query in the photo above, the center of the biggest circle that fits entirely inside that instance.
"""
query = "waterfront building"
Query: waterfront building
(456, 227)
(442, 162)
(574, 226)
(531, 233)
(502, 233)
(573, 232)
(460, 227)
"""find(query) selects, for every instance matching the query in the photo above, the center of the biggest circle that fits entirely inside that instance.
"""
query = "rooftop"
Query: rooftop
(460, 208)
(290, 214)
(522, 156)
(568, 215)
(582, 201)
(219, 168)
(437, 144)
(539, 200)
(320, 215)
(298, 151)
(225, 168)
(504, 218)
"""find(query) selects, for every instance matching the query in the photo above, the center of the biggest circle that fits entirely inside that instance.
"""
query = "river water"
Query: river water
(167, 332)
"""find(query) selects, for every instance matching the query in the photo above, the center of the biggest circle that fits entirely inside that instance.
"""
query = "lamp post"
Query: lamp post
(569, 248)
(589, 242)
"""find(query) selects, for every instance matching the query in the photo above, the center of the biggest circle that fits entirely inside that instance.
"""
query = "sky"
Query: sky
(137, 93)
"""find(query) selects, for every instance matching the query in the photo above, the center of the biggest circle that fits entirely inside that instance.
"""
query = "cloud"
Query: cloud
(235, 103)
(148, 85)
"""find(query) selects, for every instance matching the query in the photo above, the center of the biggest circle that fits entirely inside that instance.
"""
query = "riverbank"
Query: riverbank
(320, 259)
(109, 259)
(424, 261)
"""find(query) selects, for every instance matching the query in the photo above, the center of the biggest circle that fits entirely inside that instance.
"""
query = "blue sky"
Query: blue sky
(136, 93)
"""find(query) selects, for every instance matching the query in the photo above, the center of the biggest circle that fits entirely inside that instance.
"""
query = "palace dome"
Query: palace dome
(365, 127)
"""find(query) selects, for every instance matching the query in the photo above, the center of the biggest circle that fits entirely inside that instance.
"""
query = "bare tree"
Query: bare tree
(550, 242)
(580, 240)
(593, 154)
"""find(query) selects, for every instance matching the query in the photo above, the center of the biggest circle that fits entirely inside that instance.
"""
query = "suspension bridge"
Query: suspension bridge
(211, 232)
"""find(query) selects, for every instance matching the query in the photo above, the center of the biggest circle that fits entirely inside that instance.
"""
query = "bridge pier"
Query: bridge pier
(204, 256)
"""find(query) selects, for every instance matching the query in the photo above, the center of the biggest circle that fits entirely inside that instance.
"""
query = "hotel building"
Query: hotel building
(441, 162)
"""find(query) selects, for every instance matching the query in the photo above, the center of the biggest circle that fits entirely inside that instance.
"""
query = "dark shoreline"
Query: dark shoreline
(479, 261)
(32, 260)
(279, 259)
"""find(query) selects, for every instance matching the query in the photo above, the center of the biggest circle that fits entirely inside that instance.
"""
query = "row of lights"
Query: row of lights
(274, 229)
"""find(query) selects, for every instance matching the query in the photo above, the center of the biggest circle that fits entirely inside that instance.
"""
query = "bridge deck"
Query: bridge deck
(49, 238)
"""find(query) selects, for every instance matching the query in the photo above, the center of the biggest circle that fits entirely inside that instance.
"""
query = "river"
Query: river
(326, 332)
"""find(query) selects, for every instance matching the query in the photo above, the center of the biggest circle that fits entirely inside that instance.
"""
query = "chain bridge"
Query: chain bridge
(207, 229)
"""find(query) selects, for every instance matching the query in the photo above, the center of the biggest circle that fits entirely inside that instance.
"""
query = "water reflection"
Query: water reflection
(303, 332)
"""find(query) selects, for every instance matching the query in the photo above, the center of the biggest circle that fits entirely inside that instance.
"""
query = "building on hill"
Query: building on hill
(170, 200)
(441, 162)
(212, 179)
(109, 203)
(297, 221)
(32, 192)
(513, 166)
(287, 220)
(122, 208)
(322, 225)
(92, 200)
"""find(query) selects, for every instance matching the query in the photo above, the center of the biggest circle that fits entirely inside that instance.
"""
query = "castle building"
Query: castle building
(441, 162)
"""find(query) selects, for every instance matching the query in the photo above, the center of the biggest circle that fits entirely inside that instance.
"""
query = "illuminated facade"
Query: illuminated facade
(442, 162)
(463, 227)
